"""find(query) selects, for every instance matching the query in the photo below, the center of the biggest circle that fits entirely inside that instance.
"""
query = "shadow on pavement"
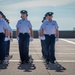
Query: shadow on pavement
(3, 66)
(27, 67)
(57, 67)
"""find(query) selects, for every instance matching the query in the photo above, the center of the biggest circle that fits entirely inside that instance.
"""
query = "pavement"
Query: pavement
(65, 55)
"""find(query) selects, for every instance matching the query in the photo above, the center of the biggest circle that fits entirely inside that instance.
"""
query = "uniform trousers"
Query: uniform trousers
(7, 47)
(2, 46)
(44, 53)
(24, 46)
(50, 47)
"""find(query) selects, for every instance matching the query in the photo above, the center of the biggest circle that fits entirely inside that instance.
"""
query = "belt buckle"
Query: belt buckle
(49, 34)
(23, 33)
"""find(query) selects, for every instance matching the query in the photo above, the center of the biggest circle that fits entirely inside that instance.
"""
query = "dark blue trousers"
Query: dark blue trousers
(44, 52)
(24, 46)
(50, 47)
(7, 47)
(2, 46)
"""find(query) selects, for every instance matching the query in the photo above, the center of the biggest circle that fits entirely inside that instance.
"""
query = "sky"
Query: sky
(64, 12)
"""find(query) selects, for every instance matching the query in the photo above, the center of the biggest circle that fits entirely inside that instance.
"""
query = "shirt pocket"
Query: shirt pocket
(53, 24)
(47, 26)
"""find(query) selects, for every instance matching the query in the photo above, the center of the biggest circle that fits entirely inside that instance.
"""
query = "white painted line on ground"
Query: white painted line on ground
(66, 60)
(35, 53)
(70, 61)
(68, 41)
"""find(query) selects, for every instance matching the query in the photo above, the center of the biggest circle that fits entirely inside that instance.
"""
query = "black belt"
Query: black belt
(49, 34)
(1, 33)
(24, 33)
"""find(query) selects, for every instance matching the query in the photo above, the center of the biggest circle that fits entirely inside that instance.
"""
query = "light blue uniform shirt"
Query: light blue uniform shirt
(41, 27)
(24, 26)
(49, 27)
(9, 29)
(3, 26)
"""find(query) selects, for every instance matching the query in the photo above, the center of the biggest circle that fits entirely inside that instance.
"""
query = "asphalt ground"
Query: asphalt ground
(65, 55)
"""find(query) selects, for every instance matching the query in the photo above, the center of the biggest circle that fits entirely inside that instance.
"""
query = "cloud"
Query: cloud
(36, 10)
(65, 23)
(39, 3)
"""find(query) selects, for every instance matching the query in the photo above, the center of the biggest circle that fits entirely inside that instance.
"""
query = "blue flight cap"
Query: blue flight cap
(49, 14)
(23, 12)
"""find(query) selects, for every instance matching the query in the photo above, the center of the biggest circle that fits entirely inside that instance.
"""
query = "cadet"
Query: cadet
(3, 34)
(50, 31)
(7, 40)
(42, 41)
(24, 32)
(7, 43)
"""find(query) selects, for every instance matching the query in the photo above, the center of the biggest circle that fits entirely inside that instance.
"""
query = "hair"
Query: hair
(44, 18)
(1, 13)
(7, 20)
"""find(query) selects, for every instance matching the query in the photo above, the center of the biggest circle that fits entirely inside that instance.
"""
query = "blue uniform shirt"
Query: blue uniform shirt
(3, 25)
(41, 27)
(50, 27)
(9, 29)
(24, 26)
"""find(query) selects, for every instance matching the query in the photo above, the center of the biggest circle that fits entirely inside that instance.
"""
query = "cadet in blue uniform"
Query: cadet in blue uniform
(7, 43)
(24, 32)
(3, 34)
(50, 31)
(42, 41)
(7, 40)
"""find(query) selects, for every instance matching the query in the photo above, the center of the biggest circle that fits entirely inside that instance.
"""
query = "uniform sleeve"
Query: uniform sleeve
(5, 25)
(40, 29)
(29, 24)
(43, 25)
(10, 29)
(17, 26)
(56, 25)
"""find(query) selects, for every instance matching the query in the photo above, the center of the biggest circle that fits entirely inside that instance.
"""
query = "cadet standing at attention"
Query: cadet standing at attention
(50, 31)
(3, 34)
(7, 40)
(42, 39)
(7, 43)
(24, 32)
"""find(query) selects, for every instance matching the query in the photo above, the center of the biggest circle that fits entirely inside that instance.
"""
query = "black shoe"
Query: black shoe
(22, 62)
(52, 62)
(26, 62)
(47, 62)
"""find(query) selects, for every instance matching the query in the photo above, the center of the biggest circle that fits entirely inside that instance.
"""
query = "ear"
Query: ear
(1, 16)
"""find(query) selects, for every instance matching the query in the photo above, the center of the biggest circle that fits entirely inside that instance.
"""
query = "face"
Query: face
(23, 16)
(49, 17)
(0, 16)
